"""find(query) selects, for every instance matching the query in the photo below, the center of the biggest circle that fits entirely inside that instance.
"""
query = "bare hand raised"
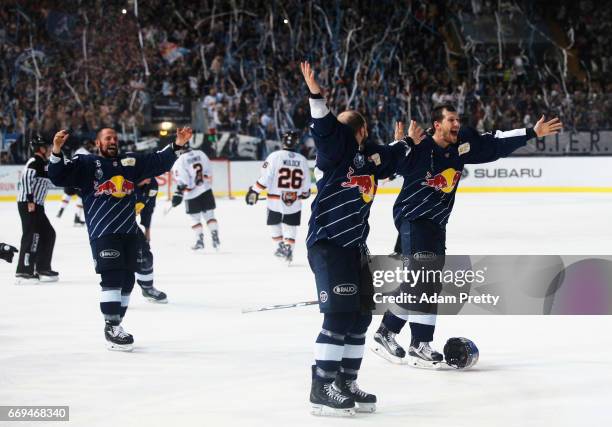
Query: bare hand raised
(550, 127)
(183, 135)
(416, 132)
(59, 140)
(309, 78)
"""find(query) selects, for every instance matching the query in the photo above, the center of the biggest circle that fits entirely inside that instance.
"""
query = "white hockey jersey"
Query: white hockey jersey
(193, 170)
(286, 176)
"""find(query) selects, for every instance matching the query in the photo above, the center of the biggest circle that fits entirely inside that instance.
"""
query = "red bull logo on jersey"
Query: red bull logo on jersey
(117, 186)
(445, 181)
(365, 183)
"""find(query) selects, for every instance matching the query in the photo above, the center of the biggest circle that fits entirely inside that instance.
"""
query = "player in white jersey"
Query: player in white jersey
(85, 149)
(193, 174)
(286, 176)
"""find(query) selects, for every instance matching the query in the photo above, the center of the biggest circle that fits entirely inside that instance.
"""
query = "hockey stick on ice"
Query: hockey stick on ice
(278, 306)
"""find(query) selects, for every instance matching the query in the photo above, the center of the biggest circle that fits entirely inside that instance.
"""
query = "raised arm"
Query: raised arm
(65, 172)
(489, 146)
(154, 164)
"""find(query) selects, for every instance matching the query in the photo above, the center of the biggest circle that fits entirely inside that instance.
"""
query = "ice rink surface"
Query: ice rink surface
(199, 362)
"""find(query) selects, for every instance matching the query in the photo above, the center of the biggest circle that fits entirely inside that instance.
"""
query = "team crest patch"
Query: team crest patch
(464, 148)
(359, 160)
(323, 297)
(444, 181)
(99, 174)
(128, 161)
(375, 158)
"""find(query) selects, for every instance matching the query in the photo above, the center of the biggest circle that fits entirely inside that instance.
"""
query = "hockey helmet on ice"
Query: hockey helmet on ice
(460, 353)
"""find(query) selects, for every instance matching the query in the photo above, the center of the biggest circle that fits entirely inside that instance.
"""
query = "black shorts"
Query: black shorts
(72, 191)
(115, 252)
(204, 202)
(275, 218)
(343, 277)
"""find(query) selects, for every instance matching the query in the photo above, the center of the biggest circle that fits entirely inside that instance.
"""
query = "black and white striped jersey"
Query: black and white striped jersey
(34, 182)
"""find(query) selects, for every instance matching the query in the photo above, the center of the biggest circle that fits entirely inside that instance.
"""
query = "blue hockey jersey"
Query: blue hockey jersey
(432, 173)
(108, 186)
(347, 188)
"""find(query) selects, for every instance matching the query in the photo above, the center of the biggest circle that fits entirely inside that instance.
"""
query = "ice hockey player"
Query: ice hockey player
(107, 182)
(146, 195)
(286, 177)
(337, 230)
(38, 238)
(69, 192)
(193, 175)
(431, 177)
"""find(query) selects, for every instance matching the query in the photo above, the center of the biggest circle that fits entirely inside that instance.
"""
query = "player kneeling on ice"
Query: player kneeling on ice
(286, 176)
(193, 175)
(432, 174)
(337, 231)
(146, 193)
(107, 182)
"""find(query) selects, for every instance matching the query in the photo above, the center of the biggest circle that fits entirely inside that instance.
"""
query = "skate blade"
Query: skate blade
(326, 411)
(21, 281)
(366, 408)
(380, 351)
(48, 279)
(119, 347)
(417, 362)
(157, 301)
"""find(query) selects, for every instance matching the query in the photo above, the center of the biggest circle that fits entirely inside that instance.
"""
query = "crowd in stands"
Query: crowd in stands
(84, 65)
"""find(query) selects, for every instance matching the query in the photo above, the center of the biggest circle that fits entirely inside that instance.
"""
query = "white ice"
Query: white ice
(199, 362)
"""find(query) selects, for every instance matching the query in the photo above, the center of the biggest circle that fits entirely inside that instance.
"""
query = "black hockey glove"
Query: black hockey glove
(177, 197)
(251, 197)
(7, 252)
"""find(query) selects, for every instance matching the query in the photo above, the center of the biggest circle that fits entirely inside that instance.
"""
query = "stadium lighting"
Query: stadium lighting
(166, 125)
(124, 11)
(163, 133)
(285, 21)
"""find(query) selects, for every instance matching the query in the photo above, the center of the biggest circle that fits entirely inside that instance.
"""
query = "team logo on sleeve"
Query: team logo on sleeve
(445, 181)
(365, 183)
(117, 186)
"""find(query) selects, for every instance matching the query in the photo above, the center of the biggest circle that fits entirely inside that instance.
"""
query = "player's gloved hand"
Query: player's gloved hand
(7, 252)
(251, 197)
(139, 206)
(305, 195)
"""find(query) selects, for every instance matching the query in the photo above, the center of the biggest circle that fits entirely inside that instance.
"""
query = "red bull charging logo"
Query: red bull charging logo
(444, 181)
(117, 186)
(365, 183)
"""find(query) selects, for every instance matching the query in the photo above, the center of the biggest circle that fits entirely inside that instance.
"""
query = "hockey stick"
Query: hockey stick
(278, 306)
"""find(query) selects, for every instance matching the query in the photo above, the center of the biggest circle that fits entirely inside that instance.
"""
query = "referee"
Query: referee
(38, 236)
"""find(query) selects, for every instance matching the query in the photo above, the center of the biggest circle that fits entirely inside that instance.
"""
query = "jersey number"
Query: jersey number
(288, 178)
(199, 177)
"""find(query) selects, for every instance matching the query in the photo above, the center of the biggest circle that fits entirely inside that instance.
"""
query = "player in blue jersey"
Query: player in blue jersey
(431, 177)
(348, 167)
(146, 195)
(107, 183)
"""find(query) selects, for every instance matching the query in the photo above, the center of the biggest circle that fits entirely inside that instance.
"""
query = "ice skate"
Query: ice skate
(386, 347)
(199, 244)
(364, 402)
(289, 253)
(48, 276)
(26, 279)
(117, 339)
(215, 239)
(326, 400)
(78, 222)
(154, 295)
(280, 250)
(421, 355)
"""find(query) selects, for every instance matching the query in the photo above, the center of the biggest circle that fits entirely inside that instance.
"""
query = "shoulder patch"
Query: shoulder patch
(464, 148)
(128, 161)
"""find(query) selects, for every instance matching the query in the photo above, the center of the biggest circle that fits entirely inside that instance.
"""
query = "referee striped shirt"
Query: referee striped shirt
(34, 183)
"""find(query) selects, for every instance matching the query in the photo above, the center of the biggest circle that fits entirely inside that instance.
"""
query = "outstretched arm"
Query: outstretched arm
(489, 147)
(154, 164)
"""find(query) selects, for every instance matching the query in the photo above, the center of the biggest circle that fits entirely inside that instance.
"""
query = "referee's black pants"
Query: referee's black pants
(37, 240)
